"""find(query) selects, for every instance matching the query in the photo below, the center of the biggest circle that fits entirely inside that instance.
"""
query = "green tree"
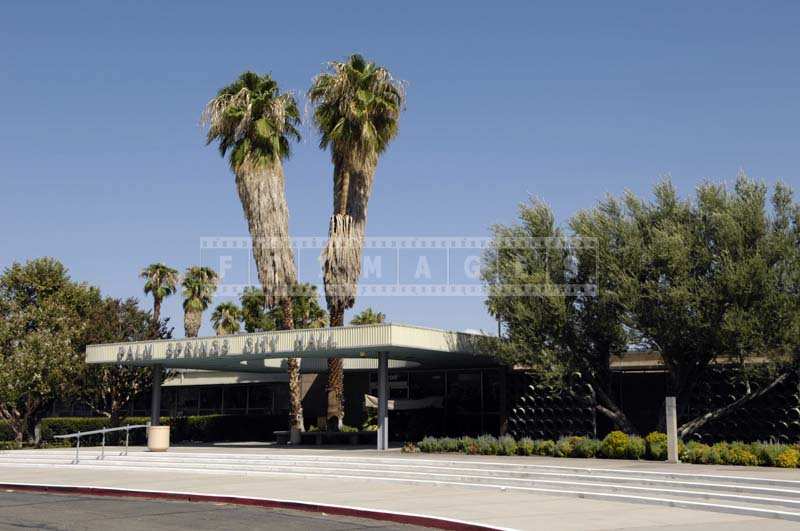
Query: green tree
(716, 279)
(357, 106)
(554, 332)
(254, 121)
(109, 389)
(161, 281)
(43, 333)
(368, 316)
(226, 318)
(199, 285)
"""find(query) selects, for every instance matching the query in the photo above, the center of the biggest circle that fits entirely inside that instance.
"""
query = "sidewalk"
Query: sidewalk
(518, 510)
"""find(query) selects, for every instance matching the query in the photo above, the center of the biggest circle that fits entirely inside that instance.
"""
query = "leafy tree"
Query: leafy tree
(109, 389)
(357, 106)
(254, 121)
(226, 318)
(199, 285)
(716, 280)
(44, 329)
(368, 316)
(161, 281)
(547, 328)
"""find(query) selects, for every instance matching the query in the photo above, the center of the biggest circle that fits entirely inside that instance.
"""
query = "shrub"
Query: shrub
(544, 447)
(586, 447)
(615, 445)
(488, 445)
(656, 446)
(508, 445)
(565, 447)
(696, 452)
(767, 454)
(636, 448)
(6, 433)
(410, 448)
(448, 444)
(788, 458)
(526, 446)
(10, 445)
(740, 454)
(429, 445)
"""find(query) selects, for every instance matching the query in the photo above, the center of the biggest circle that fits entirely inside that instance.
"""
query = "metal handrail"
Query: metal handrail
(78, 434)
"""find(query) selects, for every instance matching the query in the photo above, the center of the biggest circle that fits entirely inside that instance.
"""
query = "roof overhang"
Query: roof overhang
(406, 346)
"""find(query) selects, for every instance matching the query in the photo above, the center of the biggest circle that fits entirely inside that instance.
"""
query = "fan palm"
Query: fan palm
(199, 285)
(161, 281)
(254, 122)
(368, 316)
(357, 106)
(226, 318)
(306, 309)
(255, 313)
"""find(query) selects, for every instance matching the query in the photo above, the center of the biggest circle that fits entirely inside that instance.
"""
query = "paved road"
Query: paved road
(22, 510)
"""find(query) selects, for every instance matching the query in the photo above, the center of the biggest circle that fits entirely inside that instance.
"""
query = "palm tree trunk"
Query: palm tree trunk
(296, 425)
(335, 387)
(342, 263)
(156, 309)
(262, 194)
(192, 319)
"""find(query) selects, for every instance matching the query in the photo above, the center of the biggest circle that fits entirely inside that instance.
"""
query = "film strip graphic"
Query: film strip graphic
(410, 266)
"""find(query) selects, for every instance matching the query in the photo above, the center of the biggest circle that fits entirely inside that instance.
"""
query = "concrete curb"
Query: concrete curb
(267, 503)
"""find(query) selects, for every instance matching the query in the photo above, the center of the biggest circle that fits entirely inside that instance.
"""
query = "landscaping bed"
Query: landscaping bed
(617, 445)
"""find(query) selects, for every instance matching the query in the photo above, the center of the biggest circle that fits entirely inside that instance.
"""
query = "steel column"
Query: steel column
(383, 401)
(155, 398)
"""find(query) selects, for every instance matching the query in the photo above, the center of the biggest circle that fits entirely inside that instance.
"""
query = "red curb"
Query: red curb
(385, 516)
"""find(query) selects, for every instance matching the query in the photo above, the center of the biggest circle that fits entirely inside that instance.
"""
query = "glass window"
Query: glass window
(492, 389)
(425, 384)
(210, 400)
(187, 402)
(260, 399)
(235, 399)
(464, 393)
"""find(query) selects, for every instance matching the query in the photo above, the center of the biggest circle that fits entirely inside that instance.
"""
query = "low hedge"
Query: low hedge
(204, 428)
(618, 445)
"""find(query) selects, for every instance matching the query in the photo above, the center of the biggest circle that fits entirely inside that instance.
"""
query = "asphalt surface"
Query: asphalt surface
(24, 510)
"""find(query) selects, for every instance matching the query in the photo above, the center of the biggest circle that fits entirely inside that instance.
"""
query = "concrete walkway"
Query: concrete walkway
(509, 509)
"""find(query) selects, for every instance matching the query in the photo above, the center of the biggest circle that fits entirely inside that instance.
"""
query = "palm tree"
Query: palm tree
(255, 122)
(226, 318)
(199, 285)
(306, 309)
(255, 313)
(357, 108)
(161, 281)
(368, 316)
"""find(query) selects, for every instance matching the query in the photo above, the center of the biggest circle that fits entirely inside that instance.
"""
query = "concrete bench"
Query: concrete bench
(329, 437)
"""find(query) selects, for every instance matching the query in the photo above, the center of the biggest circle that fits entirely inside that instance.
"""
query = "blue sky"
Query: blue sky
(103, 164)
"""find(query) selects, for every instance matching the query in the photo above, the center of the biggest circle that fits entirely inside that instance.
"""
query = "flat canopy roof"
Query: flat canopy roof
(406, 346)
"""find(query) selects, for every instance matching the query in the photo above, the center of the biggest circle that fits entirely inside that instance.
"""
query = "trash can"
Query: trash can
(158, 438)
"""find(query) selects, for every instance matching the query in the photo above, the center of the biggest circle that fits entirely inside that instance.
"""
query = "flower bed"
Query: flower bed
(618, 445)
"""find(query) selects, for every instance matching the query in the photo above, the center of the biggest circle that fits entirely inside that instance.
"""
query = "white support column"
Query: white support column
(155, 397)
(383, 401)
(672, 430)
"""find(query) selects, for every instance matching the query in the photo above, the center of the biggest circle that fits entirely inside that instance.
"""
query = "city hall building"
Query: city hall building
(432, 380)
(413, 381)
